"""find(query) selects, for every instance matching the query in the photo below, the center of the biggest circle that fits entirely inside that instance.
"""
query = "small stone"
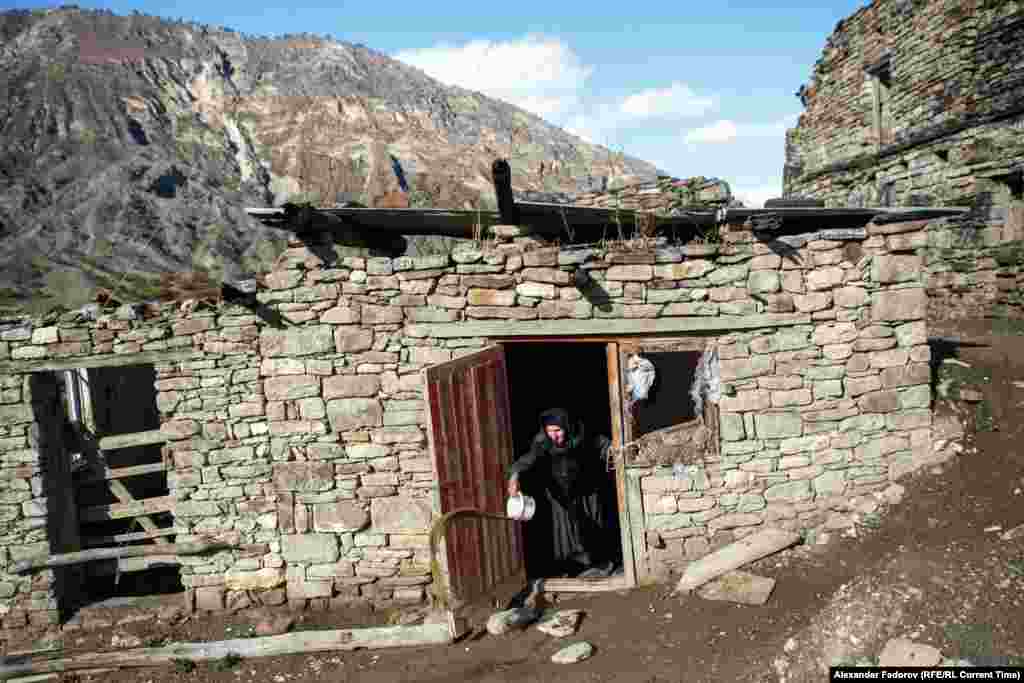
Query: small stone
(503, 622)
(274, 625)
(574, 653)
(125, 640)
(561, 624)
(905, 652)
(739, 586)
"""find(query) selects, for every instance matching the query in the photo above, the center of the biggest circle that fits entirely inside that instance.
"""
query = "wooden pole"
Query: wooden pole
(270, 646)
(734, 556)
(95, 554)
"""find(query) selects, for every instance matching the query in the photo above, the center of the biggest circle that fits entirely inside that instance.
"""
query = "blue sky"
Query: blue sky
(695, 88)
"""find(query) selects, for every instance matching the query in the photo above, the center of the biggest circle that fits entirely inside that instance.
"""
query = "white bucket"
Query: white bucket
(520, 507)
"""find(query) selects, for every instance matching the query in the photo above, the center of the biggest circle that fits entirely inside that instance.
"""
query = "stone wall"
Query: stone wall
(662, 195)
(311, 438)
(956, 135)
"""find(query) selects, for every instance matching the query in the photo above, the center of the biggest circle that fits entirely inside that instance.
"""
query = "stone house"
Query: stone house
(920, 104)
(324, 444)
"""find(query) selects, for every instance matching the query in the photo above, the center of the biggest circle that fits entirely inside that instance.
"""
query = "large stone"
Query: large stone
(561, 624)
(576, 652)
(764, 282)
(631, 273)
(899, 304)
(743, 368)
(340, 516)
(258, 580)
(491, 297)
(303, 476)
(825, 278)
(15, 413)
(850, 297)
(352, 339)
(508, 620)
(353, 413)
(905, 652)
(550, 275)
(310, 548)
(537, 290)
(789, 492)
(738, 586)
(291, 387)
(683, 271)
(830, 483)
(348, 386)
(303, 341)
(401, 515)
(726, 274)
(836, 333)
(891, 268)
(778, 425)
(815, 301)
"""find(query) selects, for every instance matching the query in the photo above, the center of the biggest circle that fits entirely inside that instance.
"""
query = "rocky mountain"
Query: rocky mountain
(130, 146)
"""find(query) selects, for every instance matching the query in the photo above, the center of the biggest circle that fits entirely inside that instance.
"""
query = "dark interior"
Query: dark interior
(668, 403)
(573, 376)
(123, 401)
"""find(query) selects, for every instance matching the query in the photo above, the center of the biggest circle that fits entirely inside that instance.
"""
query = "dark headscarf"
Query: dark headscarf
(573, 431)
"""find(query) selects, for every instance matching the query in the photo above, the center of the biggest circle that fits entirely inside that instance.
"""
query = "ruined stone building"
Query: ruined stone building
(323, 430)
(921, 103)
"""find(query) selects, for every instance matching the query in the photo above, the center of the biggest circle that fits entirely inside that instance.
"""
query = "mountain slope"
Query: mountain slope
(130, 145)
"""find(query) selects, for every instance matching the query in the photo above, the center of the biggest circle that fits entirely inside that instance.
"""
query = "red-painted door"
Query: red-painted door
(471, 441)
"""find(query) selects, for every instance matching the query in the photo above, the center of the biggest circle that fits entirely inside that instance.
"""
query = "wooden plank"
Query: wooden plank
(615, 397)
(302, 642)
(153, 436)
(125, 496)
(95, 541)
(133, 564)
(634, 504)
(603, 326)
(108, 473)
(733, 556)
(146, 506)
(614, 583)
(107, 361)
(81, 556)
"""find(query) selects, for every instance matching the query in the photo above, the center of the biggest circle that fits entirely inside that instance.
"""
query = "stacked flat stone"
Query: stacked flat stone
(312, 438)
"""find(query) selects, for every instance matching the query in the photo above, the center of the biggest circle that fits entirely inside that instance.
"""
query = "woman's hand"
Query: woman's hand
(513, 487)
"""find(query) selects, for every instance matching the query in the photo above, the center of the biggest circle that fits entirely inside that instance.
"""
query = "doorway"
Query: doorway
(572, 376)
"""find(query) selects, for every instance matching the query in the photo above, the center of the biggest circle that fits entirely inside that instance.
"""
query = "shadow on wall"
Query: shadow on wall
(57, 490)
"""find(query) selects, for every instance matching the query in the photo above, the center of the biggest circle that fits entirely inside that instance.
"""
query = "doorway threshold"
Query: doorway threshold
(596, 585)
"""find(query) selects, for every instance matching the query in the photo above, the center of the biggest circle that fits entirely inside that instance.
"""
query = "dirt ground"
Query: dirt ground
(932, 565)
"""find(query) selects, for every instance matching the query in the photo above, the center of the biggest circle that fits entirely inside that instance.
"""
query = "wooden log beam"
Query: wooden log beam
(108, 473)
(501, 174)
(146, 506)
(94, 541)
(733, 556)
(303, 642)
(153, 436)
(175, 549)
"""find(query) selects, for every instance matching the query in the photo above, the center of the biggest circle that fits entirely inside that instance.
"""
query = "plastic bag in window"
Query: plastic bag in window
(707, 381)
(641, 376)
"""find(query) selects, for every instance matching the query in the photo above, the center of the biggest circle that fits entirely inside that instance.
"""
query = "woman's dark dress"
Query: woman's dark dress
(575, 525)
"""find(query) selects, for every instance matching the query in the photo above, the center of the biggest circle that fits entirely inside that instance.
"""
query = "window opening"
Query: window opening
(881, 85)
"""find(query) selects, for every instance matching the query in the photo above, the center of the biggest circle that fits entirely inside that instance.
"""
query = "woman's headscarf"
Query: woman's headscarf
(561, 418)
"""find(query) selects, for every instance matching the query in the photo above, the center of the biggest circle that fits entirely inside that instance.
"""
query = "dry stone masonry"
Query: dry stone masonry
(311, 438)
(920, 104)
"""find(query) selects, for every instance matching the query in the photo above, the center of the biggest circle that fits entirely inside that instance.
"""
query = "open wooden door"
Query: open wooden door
(470, 435)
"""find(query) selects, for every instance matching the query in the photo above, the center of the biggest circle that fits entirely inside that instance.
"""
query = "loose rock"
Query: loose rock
(576, 652)
(905, 652)
(503, 622)
(738, 586)
(561, 624)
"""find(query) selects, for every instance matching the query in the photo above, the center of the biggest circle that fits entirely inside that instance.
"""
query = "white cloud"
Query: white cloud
(676, 101)
(754, 196)
(541, 75)
(725, 131)
(717, 132)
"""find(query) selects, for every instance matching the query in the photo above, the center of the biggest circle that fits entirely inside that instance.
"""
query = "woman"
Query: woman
(573, 530)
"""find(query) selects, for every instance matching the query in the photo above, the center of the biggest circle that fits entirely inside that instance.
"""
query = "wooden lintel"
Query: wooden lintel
(108, 361)
(108, 473)
(139, 508)
(604, 326)
(153, 436)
